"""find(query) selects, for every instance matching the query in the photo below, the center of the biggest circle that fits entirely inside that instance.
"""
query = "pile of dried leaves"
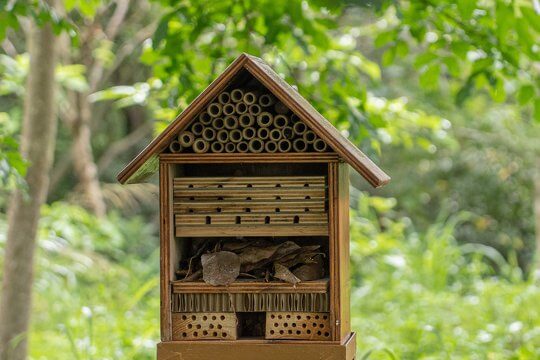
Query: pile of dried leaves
(261, 260)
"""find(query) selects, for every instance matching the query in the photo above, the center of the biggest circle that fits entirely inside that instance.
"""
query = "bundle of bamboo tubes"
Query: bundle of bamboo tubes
(247, 120)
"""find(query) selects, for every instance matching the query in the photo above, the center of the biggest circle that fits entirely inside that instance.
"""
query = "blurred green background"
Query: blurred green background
(443, 95)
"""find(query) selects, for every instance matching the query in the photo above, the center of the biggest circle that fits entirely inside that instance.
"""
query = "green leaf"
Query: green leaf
(429, 79)
(466, 8)
(389, 56)
(525, 94)
(537, 110)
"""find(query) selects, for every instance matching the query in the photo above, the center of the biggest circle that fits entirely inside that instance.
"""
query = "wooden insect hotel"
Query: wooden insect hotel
(254, 223)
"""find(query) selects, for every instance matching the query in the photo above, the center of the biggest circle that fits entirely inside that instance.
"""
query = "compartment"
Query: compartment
(204, 326)
(297, 325)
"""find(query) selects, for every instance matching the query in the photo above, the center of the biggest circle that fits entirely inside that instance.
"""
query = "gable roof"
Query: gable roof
(145, 163)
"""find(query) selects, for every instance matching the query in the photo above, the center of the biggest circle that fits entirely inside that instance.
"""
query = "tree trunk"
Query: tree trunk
(37, 145)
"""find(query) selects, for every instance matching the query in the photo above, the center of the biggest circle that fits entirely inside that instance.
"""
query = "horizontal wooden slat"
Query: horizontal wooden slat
(252, 230)
(242, 287)
(251, 218)
(213, 206)
(241, 182)
(297, 192)
(249, 158)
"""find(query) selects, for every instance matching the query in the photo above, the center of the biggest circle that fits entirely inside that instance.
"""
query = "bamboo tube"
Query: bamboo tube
(299, 145)
(249, 133)
(270, 146)
(254, 109)
(217, 147)
(319, 145)
(309, 137)
(224, 97)
(200, 146)
(215, 110)
(246, 120)
(235, 135)
(222, 136)
(266, 100)
(241, 108)
(284, 145)
(231, 122)
(186, 138)
(280, 121)
(208, 134)
(251, 97)
(256, 145)
(281, 108)
(265, 119)
(237, 95)
(299, 128)
(287, 132)
(175, 146)
(205, 117)
(242, 147)
(263, 133)
(197, 128)
(229, 109)
(218, 123)
(294, 118)
(230, 147)
(275, 134)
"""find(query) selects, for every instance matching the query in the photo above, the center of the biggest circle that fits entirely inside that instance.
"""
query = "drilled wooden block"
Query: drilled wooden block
(298, 325)
(204, 326)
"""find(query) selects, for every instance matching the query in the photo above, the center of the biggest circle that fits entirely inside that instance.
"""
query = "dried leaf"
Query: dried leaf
(285, 274)
(310, 272)
(220, 268)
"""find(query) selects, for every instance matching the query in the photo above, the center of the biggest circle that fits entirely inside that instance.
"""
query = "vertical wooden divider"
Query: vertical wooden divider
(165, 231)
(332, 247)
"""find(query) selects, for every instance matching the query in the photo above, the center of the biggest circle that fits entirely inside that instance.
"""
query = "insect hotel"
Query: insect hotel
(254, 225)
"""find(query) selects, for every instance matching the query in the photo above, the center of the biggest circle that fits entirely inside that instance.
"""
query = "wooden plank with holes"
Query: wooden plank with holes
(299, 192)
(243, 218)
(229, 206)
(204, 326)
(259, 181)
(252, 230)
(298, 325)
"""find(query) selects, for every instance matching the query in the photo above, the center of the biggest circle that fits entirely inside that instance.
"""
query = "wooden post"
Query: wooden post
(166, 236)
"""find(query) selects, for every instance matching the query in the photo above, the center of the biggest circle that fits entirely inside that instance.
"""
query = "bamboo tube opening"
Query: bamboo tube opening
(235, 135)
(299, 128)
(197, 128)
(175, 146)
(222, 136)
(217, 147)
(254, 109)
(263, 133)
(230, 147)
(205, 117)
(228, 109)
(215, 110)
(287, 132)
(237, 95)
(208, 134)
(255, 145)
(241, 108)
(275, 134)
(271, 146)
(266, 100)
(284, 145)
(218, 123)
(309, 136)
(265, 119)
(294, 118)
(224, 97)
(231, 122)
(281, 108)
(200, 146)
(319, 145)
(280, 121)
(246, 120)
(242, 146)
(186, 138)
(299, 145)
(250, 97)
(249, 133)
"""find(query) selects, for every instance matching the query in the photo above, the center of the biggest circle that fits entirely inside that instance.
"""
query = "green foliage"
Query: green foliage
(491, 45)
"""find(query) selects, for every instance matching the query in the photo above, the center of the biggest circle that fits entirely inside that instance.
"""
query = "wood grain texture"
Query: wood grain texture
(258, 349)
(343, 246)
(204, 326)
(251, 230)
(297, 325)
(165, 231)
(240, 287)
(288, 96)
(249, 158)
